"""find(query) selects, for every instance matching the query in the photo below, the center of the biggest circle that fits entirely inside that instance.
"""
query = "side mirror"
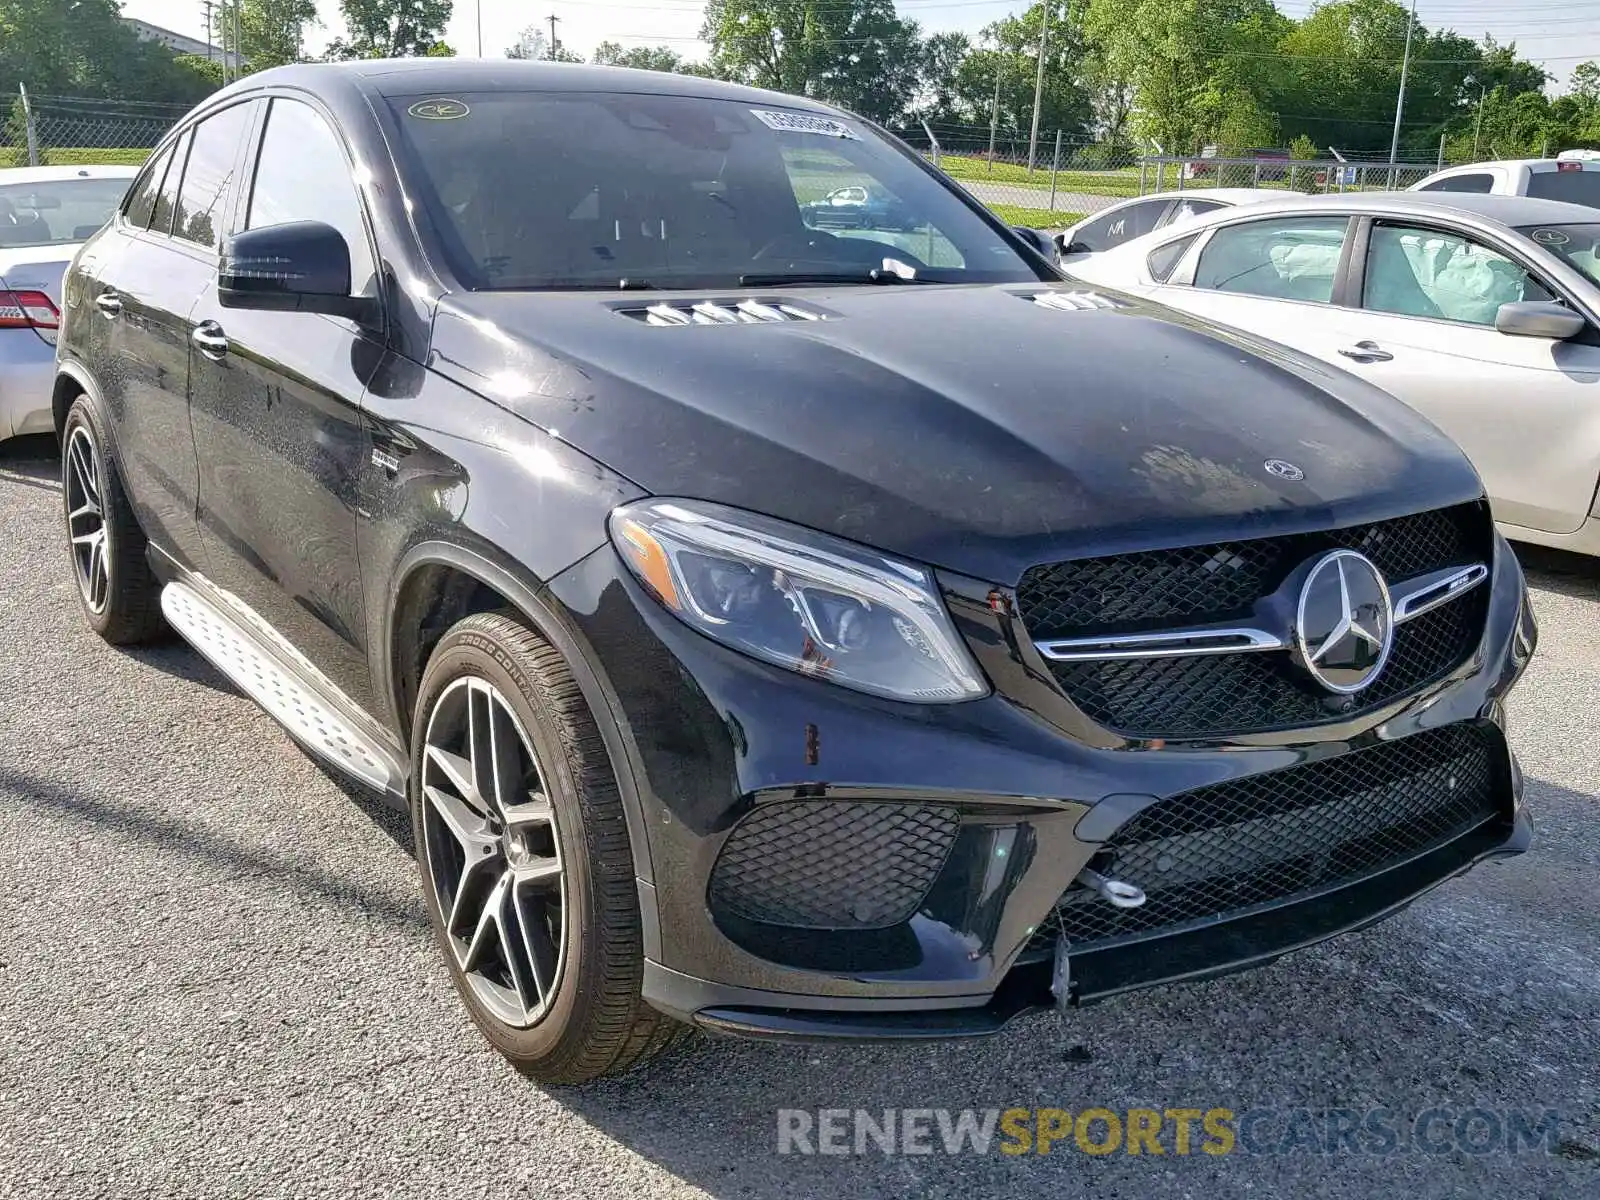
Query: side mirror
(1042, 244)
(302, 266)
(1540, 319)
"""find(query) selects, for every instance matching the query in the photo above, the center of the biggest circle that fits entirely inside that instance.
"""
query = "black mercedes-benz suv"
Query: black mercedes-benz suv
(784, 630)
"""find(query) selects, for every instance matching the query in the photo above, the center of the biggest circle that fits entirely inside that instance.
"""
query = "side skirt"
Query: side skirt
(323, 721)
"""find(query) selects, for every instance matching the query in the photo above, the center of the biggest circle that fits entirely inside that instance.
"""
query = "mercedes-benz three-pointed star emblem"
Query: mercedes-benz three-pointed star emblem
(1344, 627)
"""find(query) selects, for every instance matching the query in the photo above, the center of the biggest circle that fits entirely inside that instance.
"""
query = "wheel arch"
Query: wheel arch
(437, 584)
(71, 382)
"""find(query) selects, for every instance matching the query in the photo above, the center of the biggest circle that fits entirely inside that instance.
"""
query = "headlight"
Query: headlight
(809, 602)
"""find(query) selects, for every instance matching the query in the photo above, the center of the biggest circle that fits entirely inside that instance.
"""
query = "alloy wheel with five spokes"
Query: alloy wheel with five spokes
(492, 852)
(86, 522)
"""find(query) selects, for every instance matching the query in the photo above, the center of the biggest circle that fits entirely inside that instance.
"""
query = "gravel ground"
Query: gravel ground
(216, 980)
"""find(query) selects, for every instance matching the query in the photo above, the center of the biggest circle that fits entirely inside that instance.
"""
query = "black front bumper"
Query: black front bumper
(993, 809)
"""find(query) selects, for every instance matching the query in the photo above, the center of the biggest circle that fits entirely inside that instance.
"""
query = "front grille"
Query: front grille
(1248, 692)
(1267, 839)
(820, 865)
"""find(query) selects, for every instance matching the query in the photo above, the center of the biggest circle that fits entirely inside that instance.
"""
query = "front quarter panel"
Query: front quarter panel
(445, 465)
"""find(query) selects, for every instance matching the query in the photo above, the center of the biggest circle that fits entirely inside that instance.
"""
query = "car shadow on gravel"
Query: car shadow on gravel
(191, 840)
(32, 461)
(1575, 575)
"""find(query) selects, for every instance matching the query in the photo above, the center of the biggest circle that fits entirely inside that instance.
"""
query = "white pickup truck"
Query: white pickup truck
(1572, 176)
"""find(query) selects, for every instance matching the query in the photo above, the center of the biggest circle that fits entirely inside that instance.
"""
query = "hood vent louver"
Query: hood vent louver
(711, 312)
(1073, 301)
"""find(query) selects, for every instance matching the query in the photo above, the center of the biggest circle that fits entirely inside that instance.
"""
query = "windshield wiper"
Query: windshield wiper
(801, 278)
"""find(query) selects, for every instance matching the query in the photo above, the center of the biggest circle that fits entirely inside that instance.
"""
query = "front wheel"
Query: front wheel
(524, 853)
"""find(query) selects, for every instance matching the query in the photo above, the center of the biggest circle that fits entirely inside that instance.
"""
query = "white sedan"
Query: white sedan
(46, 213)
(1129, 219)
(1482, 312)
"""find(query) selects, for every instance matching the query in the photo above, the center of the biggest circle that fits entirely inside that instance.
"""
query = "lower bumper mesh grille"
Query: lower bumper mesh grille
(1220, 850)
(821, 865)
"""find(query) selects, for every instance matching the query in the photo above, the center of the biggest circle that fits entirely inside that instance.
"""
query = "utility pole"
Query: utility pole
(1477, 133)
(994, 113)
(207, 5)
(554, 45)
(1038, 83)
(1400, 101)
(238, 44)
(479, 11)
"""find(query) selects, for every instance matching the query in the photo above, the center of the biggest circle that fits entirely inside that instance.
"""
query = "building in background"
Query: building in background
(180, 43)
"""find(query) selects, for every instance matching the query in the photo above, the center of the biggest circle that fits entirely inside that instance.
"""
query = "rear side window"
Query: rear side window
(167, 197)
(1164, 258)
(1185, 210)
(1575, 187)
(141, 202)
(207, 177)
(1121, 226)
(1286, 258)
(1476, 182)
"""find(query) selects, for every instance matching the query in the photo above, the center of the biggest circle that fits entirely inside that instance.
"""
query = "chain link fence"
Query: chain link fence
(1067, 179)
(1070, 178)
(77, 131)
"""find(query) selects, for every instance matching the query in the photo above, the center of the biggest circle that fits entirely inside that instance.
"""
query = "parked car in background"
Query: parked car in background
(1481, 312)
(45, 214)
(858, 206)
(1573, 177)
(1271, 163)
(1129, 219)
(763, 636)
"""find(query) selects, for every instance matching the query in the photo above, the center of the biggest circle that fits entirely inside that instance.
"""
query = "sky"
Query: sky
(1557, 33)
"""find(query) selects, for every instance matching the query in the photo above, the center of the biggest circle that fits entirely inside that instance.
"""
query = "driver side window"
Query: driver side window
(839, 198)
(1415, 272)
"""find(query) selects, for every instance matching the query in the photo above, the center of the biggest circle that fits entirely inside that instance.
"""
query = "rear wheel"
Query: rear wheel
(117, 591)
(524, 854)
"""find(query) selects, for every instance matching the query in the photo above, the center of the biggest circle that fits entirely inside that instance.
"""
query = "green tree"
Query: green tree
(1190, 63)
(391, 28)
(271, 32)
(855, 53)
(85, 49)
(644, 58)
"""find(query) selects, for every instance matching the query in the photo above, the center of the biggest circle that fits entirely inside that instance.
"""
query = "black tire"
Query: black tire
(594, 1020)
(124, 604)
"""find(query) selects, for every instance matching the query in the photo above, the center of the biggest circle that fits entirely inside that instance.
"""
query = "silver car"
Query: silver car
(1480, 311)
(46, 213)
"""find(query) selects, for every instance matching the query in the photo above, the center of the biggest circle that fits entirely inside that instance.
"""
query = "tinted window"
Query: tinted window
(141, 202)
(302, 174)
(56, 212)
(167, 197)
(1183, 210)
(203, 198)
(1288, 258)
(1120, 226)
(1575, 187)
(1164, 258)
(1461, 183)
(1427, 273)
(540, 190)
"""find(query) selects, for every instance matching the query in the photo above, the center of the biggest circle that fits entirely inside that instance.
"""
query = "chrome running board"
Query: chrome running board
(316, 719)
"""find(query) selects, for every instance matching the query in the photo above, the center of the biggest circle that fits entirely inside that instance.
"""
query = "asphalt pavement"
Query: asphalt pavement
(216, 980)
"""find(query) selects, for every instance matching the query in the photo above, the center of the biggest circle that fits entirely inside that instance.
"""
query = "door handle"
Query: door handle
(209, 339)
(109, 304)
(1366, 352)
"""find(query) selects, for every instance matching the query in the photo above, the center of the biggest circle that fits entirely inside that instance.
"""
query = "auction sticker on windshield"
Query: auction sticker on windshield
(791, 122)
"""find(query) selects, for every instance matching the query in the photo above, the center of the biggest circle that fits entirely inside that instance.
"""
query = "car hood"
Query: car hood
(968, 427)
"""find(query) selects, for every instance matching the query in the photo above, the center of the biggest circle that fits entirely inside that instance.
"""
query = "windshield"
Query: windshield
(548, 190)
(1573, 244)
(58, 212)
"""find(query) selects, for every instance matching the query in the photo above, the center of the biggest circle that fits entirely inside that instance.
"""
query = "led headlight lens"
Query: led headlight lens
(803, 600)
